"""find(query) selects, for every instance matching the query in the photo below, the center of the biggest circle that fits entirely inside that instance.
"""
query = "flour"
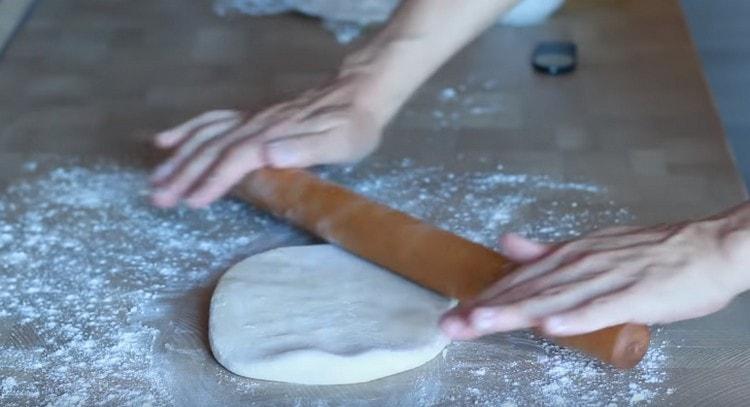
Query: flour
(85, 268)
(7, 385)
(481, 205)
(561, 377)
(94, 279)
(475, 102)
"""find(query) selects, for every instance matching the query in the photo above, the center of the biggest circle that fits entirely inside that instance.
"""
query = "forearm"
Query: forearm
(422, 36)
(732, 231)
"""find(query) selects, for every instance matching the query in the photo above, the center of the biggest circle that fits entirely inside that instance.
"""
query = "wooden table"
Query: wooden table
(96, 79)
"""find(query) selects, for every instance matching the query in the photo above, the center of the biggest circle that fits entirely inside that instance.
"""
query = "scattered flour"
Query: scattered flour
(481, 205)
(7, 385)
(557, 376)
(88, 269)
(83, 271)
(475, 99)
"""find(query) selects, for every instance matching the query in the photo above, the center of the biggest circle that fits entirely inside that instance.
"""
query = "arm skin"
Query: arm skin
(339, 122)
(641, 275)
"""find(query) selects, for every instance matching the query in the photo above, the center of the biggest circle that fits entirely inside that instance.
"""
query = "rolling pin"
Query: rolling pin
(425, 254)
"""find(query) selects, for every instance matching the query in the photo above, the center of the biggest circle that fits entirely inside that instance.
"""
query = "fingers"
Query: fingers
(170, 193)
(172, 137)
(315, 124)
(205, 166)
(324, 111)
(613, 309)
(608, 278)
(216, 149)
(620, 262)
(457, 327)
(527, 312)
(523, 274)
(522, 250)
(309, 149)
(235, 162)
(506, 307)
(249, 154)
(297, 151)
(615, 231)
(198, 154)
(597, 251)
(553, 280)
(194, 142)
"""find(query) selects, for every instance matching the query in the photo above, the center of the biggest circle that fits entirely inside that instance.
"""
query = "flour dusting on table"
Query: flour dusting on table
(559, 377)
(85, 263)
(91, 275)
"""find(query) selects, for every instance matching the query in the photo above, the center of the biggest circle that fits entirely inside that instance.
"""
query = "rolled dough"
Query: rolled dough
(319, 315)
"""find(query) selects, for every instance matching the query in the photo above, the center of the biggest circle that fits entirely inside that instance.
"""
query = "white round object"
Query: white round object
(319, 315)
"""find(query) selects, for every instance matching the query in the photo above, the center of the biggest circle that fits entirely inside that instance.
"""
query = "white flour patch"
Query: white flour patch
(554, 377)
(89, 273)
(84, 265)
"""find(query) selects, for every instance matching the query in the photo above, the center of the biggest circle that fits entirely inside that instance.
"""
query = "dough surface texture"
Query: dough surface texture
(319, 315)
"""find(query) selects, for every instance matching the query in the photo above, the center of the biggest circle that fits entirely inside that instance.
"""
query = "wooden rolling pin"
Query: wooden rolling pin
(429, 256)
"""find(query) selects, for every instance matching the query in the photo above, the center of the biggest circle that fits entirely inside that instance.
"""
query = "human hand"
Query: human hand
(215, 150)
(615, 276)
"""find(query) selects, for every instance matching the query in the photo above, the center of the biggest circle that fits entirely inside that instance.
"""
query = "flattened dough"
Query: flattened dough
(319, 315)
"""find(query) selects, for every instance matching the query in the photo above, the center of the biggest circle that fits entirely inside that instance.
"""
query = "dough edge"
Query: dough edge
(357, 369)
(360, 368)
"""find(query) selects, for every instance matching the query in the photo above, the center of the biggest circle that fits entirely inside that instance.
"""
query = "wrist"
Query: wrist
(372, 91)
(387, 72)
(734, 242)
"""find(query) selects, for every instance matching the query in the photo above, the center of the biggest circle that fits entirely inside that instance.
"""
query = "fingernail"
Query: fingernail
(160, 198)
(556, 325)
(161, 138)
(160, 172)
(452, 327)
(483, 319)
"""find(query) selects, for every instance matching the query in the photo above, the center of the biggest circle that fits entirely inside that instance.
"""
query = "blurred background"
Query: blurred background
(721, 33)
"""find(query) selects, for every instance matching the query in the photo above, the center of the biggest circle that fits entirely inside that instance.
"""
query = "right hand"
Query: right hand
(215, 150)
(652, 275)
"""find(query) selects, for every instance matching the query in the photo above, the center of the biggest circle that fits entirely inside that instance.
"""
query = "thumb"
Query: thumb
(522, 250)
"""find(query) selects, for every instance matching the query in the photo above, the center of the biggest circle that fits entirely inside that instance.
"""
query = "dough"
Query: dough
(319, 315)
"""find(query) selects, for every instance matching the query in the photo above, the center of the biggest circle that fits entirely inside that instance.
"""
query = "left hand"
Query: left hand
(618, 275)
(215, 150)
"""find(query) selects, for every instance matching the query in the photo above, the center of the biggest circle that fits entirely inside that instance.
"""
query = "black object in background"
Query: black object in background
(555, 57)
